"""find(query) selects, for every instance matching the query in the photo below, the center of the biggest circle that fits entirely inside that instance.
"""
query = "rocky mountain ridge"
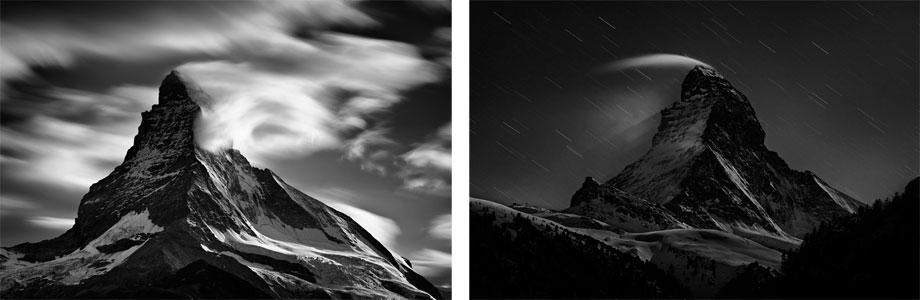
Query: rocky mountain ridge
(706, 203)
(173, 215)
(709, 168)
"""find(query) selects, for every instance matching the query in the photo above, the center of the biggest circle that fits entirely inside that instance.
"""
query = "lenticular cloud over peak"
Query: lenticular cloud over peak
(654, 60)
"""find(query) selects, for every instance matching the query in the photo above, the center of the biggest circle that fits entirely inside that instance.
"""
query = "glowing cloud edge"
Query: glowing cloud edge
(652, 60)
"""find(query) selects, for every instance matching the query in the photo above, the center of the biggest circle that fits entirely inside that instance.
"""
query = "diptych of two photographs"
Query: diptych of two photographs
(428, 149)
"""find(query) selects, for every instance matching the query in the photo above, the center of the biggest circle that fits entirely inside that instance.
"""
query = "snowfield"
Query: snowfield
(84, 263)
(703, 259)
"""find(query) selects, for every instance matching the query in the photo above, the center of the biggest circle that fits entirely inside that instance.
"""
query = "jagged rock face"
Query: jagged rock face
(589, 189)
(621, 210)
(173, 215)
(709, 167)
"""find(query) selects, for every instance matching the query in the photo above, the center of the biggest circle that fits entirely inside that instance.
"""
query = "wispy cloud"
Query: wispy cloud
(385, 230)
(74, 137)
(52, 222)
(203, 29)
(430, 262)
(370, 149)
(429, 155)
(308, 97)
(8, 204)
(274, 93)
(441, 227)
(426, 168)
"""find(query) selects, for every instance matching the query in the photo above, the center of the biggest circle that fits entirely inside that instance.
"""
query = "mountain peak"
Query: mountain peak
(588, 190)
(590, 182)
(168, 127)
(711, 109)
(709, 165)
(702, 79)
(172, 209)
(702, 70)
(174, 90)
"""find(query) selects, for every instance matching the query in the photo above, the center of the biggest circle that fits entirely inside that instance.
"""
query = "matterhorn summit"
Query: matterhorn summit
(175, 220)
(708, 167)
(707, 203)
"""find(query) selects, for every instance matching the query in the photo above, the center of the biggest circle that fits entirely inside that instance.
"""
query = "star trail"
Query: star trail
(835, 86)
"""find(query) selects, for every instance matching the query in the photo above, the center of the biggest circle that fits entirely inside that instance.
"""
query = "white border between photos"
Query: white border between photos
(460, 116)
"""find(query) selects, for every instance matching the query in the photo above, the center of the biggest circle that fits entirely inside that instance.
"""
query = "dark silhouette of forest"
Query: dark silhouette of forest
(874, 253)
(520, 260)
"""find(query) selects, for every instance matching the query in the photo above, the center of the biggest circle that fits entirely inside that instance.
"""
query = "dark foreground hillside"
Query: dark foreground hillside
(519, 260)
(872, 254)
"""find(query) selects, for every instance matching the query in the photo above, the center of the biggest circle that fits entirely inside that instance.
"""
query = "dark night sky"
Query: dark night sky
(364, 88)
(835, 86)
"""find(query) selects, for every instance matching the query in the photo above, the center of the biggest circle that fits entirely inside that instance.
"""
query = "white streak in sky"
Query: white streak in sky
(503, 18)
(608, 23)
(820, 48)
(382, 228)
(441, 227)
(52, 222)
(653, 60)
(430, 262)
(768, 47)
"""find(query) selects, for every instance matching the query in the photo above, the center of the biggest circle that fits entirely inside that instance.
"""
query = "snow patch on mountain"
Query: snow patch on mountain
(641, 249)
(88, 261)
(276, 229)
(505, 214)
(773, 240)
(834, 195)
(336, 263)
(742, 185)
(714, 244)
(130, 225)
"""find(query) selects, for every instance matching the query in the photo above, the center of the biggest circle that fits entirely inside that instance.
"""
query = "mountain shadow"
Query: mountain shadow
(872, 254)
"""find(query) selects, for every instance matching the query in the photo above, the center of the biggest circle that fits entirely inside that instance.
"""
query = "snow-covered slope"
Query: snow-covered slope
(515, 254)
(701, 259)
(704, 260)
(620, 209)
(709, 168)
(173, 211)
(504, 214)
(564, 218)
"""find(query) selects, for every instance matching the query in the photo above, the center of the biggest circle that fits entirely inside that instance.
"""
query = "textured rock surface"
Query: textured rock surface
(173, 215)
(621, 210)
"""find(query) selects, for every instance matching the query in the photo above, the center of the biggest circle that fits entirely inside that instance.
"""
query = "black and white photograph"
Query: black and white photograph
(225, 149)
(440, 149)
(694, 150)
